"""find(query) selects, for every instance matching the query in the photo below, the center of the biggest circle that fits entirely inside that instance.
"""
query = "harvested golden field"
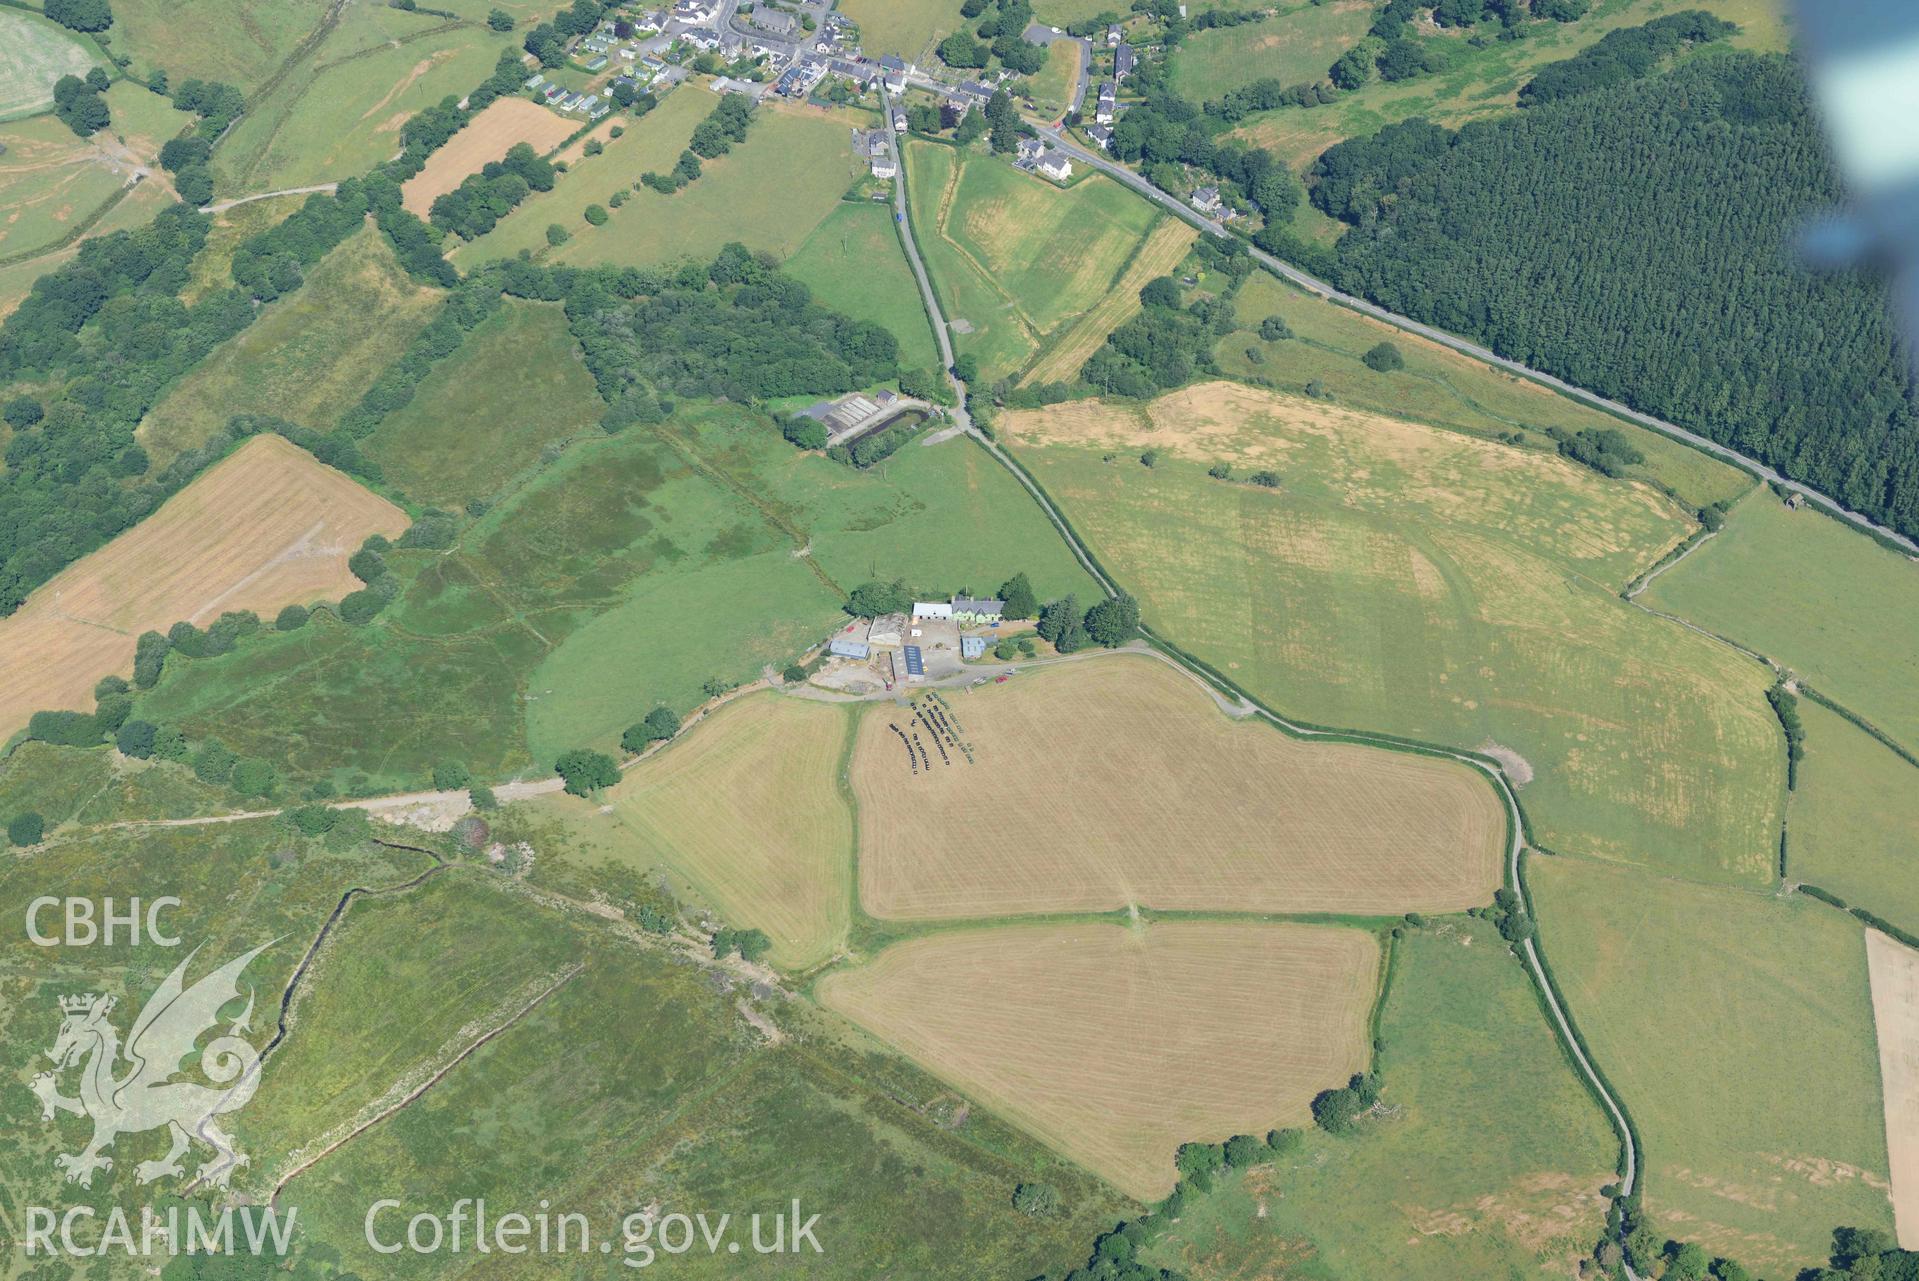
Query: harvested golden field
(490, 135)
(1162, 252)
(1116, 1045)
(1895, 1013)
(1118, 781)
(745, 809)
(266, 527)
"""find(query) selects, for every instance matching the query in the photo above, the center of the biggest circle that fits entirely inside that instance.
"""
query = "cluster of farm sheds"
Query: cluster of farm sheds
(931, 643)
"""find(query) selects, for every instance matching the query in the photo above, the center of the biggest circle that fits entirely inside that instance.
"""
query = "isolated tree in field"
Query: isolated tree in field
(662, 722)
(499, 20)
(79, 106)
(586, 771)
(1384, 358)
(595, 214)
(1017, 593)
(1336, 1111)
(1275, 328)
(212, 763)
(1061, 626)
(135, 739)
(1113, 621)
(254, 777)
(450, 776)
(26, 828)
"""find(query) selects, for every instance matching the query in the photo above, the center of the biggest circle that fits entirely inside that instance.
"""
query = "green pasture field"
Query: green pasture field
(49, 182)
(853, 263)
(238, 885)
(909, 28)
(1807, 591)
(629, 572)
(639, 1081)
(480, 953)
(237, 41)
(946, 519)
(1493, 1153)
(487, 412)
(1414, 581)
(136, 209)
(71, 784)
(309, 358)
(145, 120)
(35, 52)
(989, 328)
(1686, 995)
(1854, 819)
(1011, 254)
(1480, 82)
(1296, 44)
(769, 193)
(338, 113)
(370, 709)
(651, 143)
(1051, 87)
(1439, 386)
(941, 518)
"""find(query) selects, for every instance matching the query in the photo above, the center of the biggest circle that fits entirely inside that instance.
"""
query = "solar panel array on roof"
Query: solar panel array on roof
(914, 665)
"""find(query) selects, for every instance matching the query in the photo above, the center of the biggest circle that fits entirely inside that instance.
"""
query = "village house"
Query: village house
(1114, 34)
(1102, 136)
(968, 609)
(1108, 106)
(1124, 60)
(940, 609)
(1055, 164)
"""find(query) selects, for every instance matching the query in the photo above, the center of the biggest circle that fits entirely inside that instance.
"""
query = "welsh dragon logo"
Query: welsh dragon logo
(146, 1096)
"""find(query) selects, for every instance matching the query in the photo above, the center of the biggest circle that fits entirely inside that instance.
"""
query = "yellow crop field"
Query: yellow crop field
(487, 137)
(1118, 781)
(1895, 1012)
(266, 527)
(745, 809)
(1116, 1045)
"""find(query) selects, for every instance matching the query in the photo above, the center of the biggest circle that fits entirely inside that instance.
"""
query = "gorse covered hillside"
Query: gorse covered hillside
(1638, 241)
